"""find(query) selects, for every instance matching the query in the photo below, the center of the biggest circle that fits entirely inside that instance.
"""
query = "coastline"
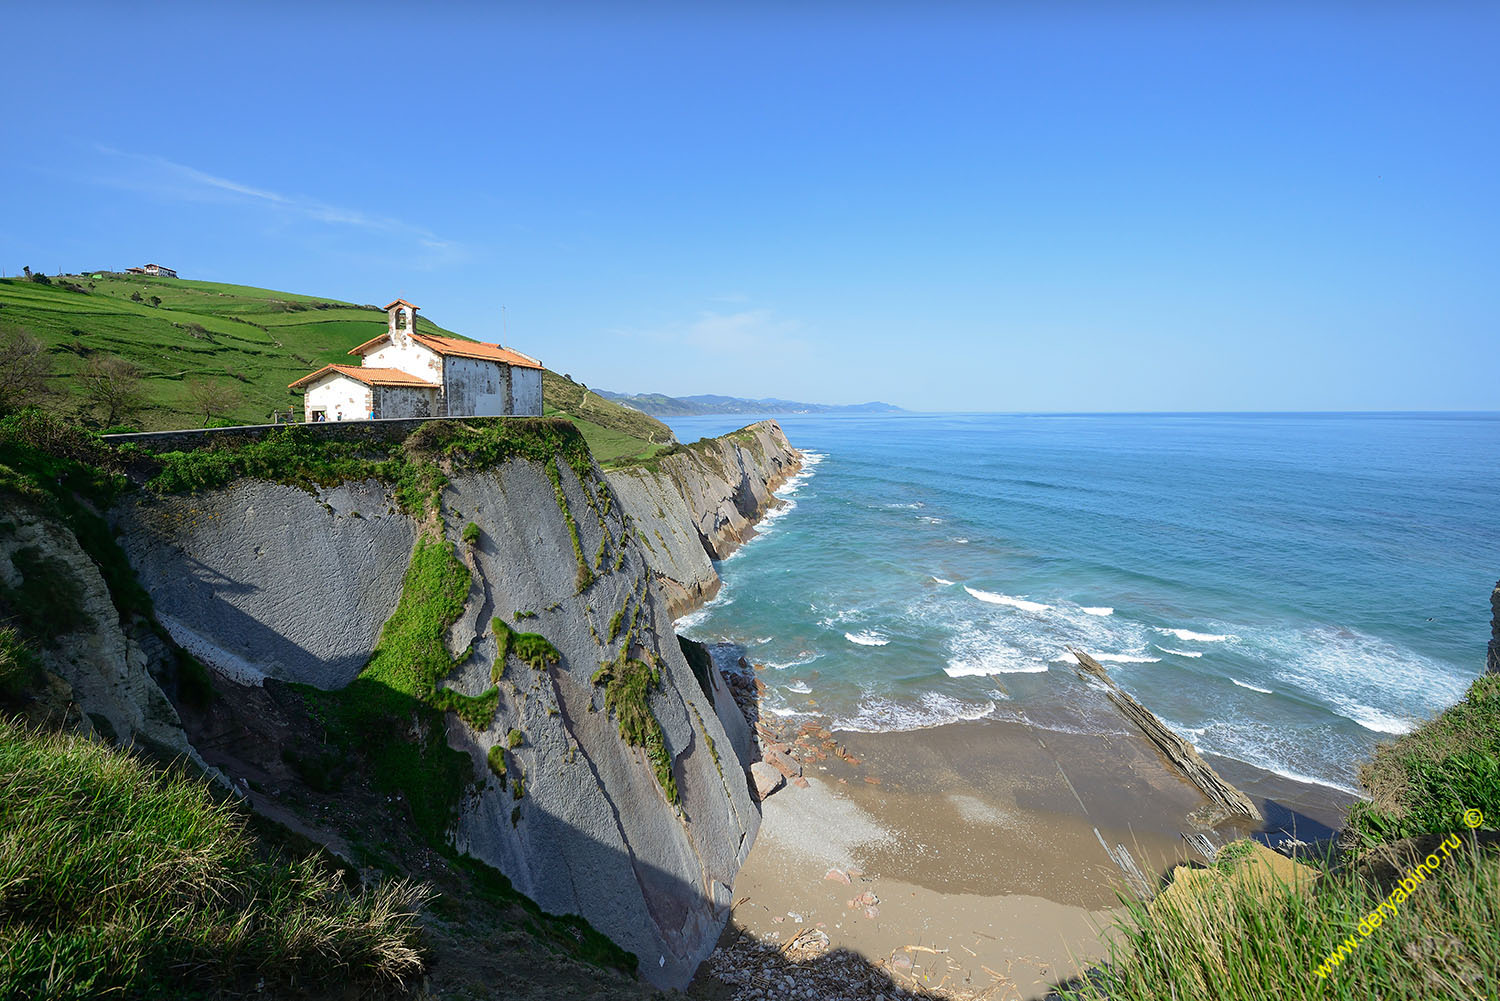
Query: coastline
(993, 851)
(980, 858)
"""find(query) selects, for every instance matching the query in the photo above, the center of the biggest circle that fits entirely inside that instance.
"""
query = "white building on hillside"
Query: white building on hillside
(406, 374)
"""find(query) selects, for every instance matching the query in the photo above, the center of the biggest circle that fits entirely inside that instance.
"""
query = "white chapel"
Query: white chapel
(406, 374)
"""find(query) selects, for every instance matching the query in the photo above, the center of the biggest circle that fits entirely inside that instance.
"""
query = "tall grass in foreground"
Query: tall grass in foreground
(120, 881)
(1263, 940)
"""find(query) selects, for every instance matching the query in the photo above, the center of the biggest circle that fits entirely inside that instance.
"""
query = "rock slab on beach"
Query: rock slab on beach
(1177, 750)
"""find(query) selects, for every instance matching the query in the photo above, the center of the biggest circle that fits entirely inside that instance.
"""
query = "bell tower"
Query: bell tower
(400, 319)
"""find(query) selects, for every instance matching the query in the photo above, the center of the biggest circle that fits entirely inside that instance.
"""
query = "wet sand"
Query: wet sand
(993, 850)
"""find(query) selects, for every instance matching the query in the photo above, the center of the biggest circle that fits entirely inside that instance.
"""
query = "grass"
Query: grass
(1424, 781)
(1258, 940)
(616, 433)
(119, 881)
(627, 689)
(513, 739)
(532, 649)
(496, 758)
(471, 534)
(68, 474)
(585, 575)
(252, 341)
(20, 671)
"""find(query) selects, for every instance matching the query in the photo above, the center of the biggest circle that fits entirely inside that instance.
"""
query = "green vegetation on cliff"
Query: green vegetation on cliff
(393, 711)
(117, 880)
(627, 685)
(1248, 940)
(230, 350)
(386, 733)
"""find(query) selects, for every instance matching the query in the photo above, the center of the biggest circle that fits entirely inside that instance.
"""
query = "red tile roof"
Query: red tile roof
(401, 302)
(476, 349)
(459, 348)
(368, 376)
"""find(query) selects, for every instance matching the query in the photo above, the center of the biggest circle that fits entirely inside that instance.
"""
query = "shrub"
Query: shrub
(514, 738)
(471, 534)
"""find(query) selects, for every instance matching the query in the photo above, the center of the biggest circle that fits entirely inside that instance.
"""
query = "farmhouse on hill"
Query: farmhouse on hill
(152, 269)
(406, 374)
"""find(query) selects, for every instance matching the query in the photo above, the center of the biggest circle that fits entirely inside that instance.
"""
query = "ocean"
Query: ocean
(1282, 589)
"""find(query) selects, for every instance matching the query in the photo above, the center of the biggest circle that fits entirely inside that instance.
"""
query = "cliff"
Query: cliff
(419, 644)
(692, 504)
(1492, 661)
(598, 775)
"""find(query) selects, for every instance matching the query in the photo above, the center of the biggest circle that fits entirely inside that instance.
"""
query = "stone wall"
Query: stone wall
(196, 438)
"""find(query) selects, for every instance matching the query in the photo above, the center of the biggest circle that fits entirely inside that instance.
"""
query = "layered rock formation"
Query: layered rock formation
(700, 502)
(265, 582)
(101, 657)
(1178, 751)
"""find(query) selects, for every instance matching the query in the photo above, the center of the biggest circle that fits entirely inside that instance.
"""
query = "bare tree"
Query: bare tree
(113, 385)
(25, 368)
(212, 398)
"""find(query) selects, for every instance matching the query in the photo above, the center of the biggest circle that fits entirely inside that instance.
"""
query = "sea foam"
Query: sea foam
(1005, 599)
(867, 637)
(1188, 634)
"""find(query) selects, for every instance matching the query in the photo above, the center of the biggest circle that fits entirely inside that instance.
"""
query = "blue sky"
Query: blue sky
(957, 207)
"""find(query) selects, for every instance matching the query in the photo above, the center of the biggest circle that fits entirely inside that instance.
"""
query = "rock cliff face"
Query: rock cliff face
(1492, 662)
(643, 837)
(103, 661)
(700, 504)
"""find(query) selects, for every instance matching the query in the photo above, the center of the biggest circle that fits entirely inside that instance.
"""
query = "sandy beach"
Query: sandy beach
(978, 859)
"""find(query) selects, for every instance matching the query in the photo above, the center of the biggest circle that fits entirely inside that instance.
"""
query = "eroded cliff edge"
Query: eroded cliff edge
(699, 502)
(447, 597)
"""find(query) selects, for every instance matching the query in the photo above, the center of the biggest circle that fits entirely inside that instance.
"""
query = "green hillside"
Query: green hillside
(240, 344)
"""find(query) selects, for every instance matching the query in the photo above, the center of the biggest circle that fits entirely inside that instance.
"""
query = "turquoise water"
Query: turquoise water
(1283, 589)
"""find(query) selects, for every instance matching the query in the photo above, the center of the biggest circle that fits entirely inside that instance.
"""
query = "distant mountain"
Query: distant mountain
(658, 405)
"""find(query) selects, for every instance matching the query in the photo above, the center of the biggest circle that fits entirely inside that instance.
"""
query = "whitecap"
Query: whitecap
(800, 687)
(1253, 688)
(1100, 610)
(929, 519)
(1188, 634)
(960, 540)
(879, 715)
(943, 581)
(806, 657)
(1005, 599)
(1371, 718)
(867, 637)
(988, 667)
(1181, 653)
(1125, 658)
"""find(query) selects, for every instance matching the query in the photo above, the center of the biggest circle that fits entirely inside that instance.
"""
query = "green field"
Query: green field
(248, 342)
